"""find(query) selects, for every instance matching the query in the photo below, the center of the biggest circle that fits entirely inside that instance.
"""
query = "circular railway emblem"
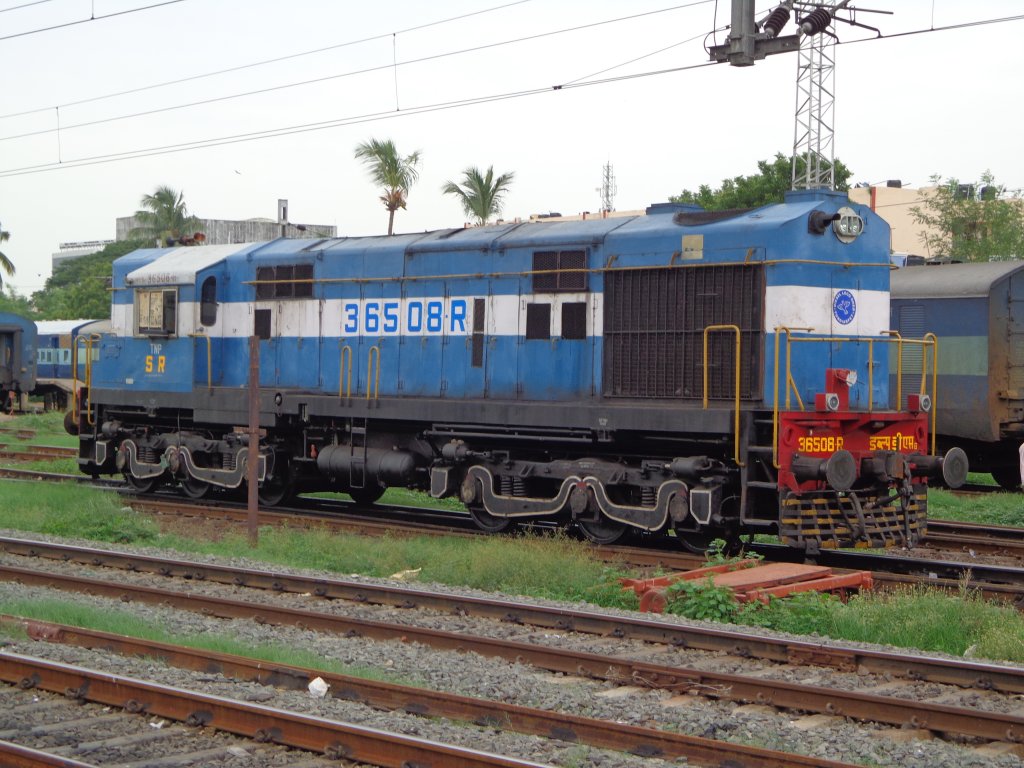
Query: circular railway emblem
(844, 307)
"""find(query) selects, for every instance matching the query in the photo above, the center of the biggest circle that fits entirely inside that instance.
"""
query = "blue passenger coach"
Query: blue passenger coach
(707, 373)
(977, 311)
(17, 359)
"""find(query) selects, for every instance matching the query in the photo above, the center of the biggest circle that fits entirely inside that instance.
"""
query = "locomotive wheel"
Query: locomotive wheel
(1007, 477)
(139, 485)
(602, 530)
(697, 542)
(487, 522)
(366, 495)
(195, 489)
(275, 491)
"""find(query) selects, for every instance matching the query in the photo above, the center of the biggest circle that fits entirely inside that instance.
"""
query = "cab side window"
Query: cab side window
(156, 312)
(208, 302)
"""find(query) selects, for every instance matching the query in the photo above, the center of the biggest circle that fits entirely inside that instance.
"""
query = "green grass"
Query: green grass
(62, 466)
(49, 429)
(123, 623)
(992, 508)
(68, 510)
(921, 617)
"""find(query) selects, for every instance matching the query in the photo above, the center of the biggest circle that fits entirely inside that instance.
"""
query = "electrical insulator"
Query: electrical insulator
(816, 21)
(776, 21)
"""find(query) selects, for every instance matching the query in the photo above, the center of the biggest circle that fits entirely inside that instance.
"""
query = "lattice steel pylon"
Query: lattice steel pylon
(608, 189)
(814, 123)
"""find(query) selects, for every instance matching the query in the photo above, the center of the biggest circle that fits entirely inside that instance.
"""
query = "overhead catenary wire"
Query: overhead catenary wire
(327, 124)
(24, 5)
(350, 73)
(372, 117)
(264, 62)
(91, 18)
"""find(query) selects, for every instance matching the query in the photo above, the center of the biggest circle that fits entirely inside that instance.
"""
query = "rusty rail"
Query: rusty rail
(883, 709)
(429, 703)
(964, 672)
(329, 737)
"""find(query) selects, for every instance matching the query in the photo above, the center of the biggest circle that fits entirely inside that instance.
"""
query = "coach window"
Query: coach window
(265, 283)
(156, 311)
(574, 320)
(208, 301)
(261, 324)
(559, 271)
(286, 281)
(538, 321)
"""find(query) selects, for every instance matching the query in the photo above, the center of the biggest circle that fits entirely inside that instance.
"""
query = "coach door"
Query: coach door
(464, 347)
(208, 341)
(9, 357)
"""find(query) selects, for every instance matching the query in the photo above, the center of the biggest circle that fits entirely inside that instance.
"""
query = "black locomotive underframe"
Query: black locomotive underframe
(618, 451)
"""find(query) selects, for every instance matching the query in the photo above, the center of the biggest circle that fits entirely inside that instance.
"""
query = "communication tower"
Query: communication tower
(608, 189)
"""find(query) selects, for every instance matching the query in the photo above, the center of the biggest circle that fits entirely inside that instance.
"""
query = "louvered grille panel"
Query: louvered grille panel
(654, 331)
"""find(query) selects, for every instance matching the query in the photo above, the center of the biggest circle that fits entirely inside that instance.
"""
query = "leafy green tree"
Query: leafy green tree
(972, 222)
(481, 195)
(769, 185)
(5, 264)
(78, 288)
(12, 301)
(163, 215)
(389, 170)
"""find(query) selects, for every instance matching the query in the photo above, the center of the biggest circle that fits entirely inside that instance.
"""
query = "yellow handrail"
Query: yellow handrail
(707, 330)
(899, 363)
(345, 373)
(209, 357)
(92, 337)
(372, 372)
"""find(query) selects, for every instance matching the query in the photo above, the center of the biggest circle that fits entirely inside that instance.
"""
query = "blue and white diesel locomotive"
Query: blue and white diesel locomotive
(705, 373)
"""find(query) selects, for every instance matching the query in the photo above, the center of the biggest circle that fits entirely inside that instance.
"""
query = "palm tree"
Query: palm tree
(165, 216)
(5, 264)
(481, 195)
(391, 171)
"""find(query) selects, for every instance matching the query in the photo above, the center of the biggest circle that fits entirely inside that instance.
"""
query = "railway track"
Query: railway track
(428, 703)
(756, 687)
(257, 723)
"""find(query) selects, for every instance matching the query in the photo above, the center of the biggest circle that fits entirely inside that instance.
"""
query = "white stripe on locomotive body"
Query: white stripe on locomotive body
(802, 307)
(786, 306)
(377, 317)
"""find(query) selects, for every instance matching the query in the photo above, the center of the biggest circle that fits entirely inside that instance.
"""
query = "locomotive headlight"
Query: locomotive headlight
(832, 401)
(848, 225)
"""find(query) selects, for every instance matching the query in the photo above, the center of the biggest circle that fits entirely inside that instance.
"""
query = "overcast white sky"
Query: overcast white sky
(947, 102)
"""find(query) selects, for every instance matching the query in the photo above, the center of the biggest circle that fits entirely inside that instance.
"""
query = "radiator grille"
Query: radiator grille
(654, 331)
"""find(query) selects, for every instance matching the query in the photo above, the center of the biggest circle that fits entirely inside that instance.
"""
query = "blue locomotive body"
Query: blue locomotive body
(705, 372)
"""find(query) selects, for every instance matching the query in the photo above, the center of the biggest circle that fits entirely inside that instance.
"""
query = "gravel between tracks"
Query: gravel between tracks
(470, 674)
